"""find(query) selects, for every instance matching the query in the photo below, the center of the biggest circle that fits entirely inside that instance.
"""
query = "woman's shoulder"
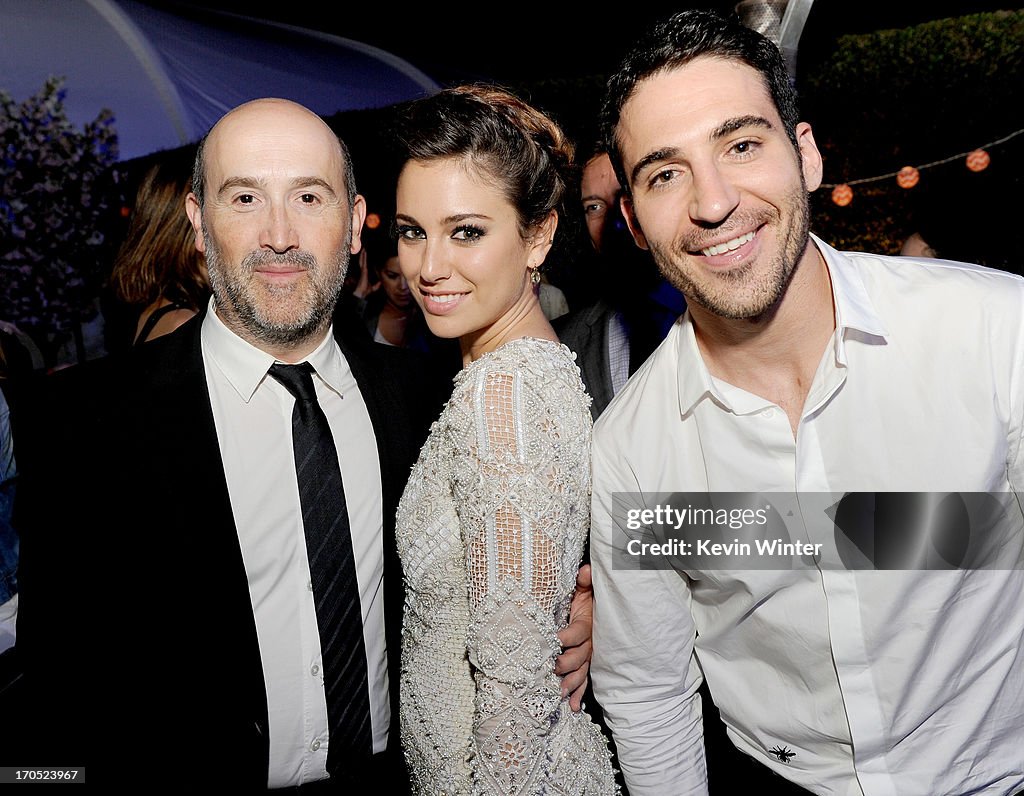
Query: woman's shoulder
(538, 369)
(531, 357)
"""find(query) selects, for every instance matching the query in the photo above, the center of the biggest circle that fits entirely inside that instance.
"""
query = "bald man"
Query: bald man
(180, 464)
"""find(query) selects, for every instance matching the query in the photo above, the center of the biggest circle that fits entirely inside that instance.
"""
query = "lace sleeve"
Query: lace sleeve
(526, 483)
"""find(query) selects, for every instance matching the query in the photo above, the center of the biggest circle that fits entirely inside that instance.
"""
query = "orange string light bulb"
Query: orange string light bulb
(978, 160)
(908, 177)
(842, 195)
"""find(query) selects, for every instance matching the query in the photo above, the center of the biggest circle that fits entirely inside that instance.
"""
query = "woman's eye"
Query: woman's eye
(468, 233)
(409, 233)
(594, 208)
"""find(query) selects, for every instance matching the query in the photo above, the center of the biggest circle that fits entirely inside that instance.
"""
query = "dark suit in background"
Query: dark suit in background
(585, 331)
(642, 319)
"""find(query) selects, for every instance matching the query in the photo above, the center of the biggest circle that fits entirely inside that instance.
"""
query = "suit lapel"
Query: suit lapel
(595, 362)
(186, 491)
(177, 399)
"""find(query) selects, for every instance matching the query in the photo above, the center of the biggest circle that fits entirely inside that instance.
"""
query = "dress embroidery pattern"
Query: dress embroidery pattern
(491, 530)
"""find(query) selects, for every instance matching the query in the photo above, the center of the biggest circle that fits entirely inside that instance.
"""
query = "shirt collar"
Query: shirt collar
(245, 366)
(854, 308)
(854, 311)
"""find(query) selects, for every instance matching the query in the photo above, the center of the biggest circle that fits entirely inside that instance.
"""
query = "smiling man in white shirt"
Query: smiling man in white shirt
(808, 372)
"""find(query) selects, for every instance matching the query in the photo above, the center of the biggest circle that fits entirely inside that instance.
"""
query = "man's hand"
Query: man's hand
(574, 662)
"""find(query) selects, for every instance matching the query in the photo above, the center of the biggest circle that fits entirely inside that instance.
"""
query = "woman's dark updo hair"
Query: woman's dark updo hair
(522, 150)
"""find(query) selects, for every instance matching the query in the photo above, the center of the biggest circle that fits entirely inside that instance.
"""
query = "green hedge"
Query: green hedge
(913, 96)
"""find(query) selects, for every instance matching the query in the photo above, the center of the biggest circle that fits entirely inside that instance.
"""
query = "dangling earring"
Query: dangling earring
(535, 276)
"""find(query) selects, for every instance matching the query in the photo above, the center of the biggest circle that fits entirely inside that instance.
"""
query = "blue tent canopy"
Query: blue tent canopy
(167, 77)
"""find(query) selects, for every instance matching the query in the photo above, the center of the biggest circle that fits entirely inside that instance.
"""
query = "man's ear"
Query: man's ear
(626, 205)
(810, 157)
(358, 217)
(195, 217)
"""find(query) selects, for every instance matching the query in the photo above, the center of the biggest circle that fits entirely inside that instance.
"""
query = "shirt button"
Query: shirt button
(314, 670)
(768, 413)
(314, 746)
(309, 585)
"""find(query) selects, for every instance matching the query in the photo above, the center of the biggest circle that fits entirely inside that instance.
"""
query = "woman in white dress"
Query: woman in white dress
(493, 521)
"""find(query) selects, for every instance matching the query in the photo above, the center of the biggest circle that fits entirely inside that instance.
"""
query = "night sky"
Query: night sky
(513, 42)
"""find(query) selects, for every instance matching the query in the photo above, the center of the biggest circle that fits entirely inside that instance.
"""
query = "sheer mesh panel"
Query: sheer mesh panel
(490, 530)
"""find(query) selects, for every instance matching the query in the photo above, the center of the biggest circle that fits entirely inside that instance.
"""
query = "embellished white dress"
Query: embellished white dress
(491, 529)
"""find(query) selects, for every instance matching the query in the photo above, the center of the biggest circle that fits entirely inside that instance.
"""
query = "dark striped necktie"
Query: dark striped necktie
(332, 568)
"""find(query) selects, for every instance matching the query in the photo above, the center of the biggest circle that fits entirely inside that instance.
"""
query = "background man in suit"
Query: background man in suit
(632, 307)
(194, 587)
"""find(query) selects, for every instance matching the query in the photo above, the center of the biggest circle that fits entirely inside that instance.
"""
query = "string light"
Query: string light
(907, 177)
(842, 195)
(978, 160)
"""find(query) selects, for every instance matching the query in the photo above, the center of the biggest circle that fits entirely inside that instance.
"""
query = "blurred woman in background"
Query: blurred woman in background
(158, 272)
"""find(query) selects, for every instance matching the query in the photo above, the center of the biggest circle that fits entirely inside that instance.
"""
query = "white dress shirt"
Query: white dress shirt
(253, 415)
(899, 682)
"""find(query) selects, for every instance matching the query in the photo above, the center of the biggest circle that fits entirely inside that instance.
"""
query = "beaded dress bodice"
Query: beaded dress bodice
(491, 530)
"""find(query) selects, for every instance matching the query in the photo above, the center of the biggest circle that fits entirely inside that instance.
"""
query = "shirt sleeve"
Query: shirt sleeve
(645, 675)
(515, 502)
(1015, 463)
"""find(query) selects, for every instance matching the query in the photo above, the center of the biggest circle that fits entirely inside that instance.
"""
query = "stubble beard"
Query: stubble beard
(240, 301)
(740, 293)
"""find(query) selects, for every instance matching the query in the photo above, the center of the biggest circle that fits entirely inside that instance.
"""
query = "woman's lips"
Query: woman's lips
(442, 303)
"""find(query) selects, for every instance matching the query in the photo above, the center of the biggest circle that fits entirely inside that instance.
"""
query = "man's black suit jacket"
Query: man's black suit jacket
(135, 627)
(585, 332)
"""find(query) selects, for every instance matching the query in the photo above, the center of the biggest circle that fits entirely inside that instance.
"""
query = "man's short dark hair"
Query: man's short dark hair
(680, 39)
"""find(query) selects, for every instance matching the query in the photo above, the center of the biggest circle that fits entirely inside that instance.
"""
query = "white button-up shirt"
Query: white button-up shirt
(253, 416)
(898, 682)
